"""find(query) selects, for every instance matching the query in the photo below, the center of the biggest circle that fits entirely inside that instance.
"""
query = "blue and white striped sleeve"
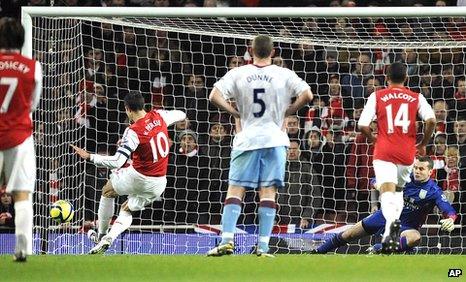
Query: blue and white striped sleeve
(129, 143)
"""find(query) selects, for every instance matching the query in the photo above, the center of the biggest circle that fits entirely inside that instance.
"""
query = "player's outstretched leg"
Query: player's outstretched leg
(106, 210)
(391, 243)
(122, 223)
(231, 212)
(330, 244)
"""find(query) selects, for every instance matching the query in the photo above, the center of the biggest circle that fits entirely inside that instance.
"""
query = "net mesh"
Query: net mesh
(91, 63)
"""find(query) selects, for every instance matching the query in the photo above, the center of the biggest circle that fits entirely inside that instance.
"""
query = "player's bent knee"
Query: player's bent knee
(268, 193)
(108, 191)
(20, 196)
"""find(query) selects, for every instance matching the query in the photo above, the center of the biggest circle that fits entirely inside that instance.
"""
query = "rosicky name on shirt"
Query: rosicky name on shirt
(262, 77)
(403, 96)
(151, 126)
(14, 65)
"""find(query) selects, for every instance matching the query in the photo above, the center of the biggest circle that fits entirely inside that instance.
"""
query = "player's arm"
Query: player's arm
(129, 143)
(303, 99)
(448, 212)
(216, 97)
(367, 115)
(170, 117)
(427, 114)
(299, 89)
(38, 87)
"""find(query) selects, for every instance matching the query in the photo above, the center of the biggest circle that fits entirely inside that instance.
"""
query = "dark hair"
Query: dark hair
(11, 34)
(426, 159)
(134, 101)
(396, 72)
(262, 46)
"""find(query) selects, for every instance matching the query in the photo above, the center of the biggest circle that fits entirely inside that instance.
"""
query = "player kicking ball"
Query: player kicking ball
(421, 195)
(396, 109)
(263, 93)
(145, 142)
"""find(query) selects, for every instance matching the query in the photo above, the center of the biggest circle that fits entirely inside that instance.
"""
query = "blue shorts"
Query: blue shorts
(374, 224)
(258, 168)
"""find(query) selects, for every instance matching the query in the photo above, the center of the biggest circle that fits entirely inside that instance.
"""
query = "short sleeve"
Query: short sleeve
(38, 86)
(368, 113)
(424, 110)
(170, 117)
(226, 84)
(296, 85)
(129, 142)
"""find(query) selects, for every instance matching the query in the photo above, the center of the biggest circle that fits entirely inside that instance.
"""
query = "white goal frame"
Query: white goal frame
(76, 12)
(63, 12)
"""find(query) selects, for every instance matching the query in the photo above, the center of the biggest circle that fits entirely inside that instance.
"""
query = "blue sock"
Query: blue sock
(331, 244)
(267, 213)
(377, 247)
(404, 245)
(231, 212)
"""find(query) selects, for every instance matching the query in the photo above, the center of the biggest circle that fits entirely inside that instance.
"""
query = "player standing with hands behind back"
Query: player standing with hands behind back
(20, 89)
(263, 94)
(396, 109)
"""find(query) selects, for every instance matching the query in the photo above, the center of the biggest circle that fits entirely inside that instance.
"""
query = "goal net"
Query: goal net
(92, 60)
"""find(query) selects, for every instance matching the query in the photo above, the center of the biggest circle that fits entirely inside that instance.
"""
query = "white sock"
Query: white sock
(105, 213)
(122, 223)
(389, 209)
(399, 203)
(23, 222)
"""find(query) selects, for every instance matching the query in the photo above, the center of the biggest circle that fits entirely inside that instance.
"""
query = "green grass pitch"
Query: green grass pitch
(234, 268)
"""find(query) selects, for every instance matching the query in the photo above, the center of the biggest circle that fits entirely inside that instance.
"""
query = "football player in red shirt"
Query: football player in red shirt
(20, 89)
(396, 109)
(145, 142)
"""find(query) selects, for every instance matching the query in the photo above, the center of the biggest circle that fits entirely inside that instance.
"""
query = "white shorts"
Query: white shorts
(141, 190)
(18, 167)
(390, 172)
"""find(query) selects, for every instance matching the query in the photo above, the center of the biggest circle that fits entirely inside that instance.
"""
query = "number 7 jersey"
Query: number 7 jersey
(20, 89)
(396, 111)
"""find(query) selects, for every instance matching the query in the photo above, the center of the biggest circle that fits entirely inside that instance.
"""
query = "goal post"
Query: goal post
(93, 56)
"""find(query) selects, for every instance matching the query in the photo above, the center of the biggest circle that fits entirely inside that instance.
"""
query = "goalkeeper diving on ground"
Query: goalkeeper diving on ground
(420, 197)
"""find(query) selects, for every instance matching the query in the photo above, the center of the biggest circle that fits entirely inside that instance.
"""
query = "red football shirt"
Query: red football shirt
(396, 111)
(147, 140)
(20, 87)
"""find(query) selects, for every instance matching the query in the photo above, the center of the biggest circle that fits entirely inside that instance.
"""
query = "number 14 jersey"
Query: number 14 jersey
(396, 111)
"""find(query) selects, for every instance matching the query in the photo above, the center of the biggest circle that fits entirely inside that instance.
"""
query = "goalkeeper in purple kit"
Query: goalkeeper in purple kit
(420, 197)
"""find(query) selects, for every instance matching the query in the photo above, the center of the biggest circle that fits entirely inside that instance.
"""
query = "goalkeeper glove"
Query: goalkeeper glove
(447, 224)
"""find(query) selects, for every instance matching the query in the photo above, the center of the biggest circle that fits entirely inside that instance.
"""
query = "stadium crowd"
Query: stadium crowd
(329, 161)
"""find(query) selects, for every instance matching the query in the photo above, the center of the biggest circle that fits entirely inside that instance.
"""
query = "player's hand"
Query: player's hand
(82, 153)
(421, 150)
(303, 223)
(447, 224)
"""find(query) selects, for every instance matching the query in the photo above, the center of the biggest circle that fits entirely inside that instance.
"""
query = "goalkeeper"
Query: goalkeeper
(420, 197)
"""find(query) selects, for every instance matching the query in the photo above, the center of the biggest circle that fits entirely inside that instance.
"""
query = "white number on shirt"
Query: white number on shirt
(12, 82)
(162, 149)
(401, 118)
